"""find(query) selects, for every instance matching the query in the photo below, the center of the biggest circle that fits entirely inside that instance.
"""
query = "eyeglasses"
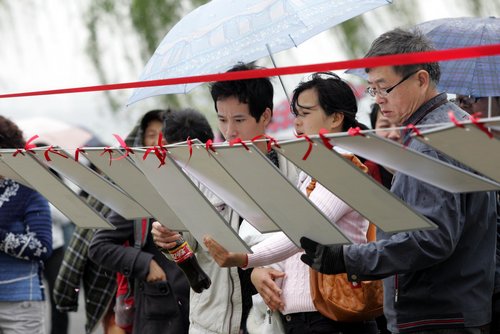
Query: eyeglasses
(384, 91)
(465, 100)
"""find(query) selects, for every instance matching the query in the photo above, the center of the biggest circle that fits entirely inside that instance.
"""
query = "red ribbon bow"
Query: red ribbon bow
(209, 145)
(159, 151)
(270, 141)
(238, 141)
(412, 128)
(454, 120)
(475, 119)
(28, 147)
(51, 149)
(124, 146)
(309, 149)
(77, 153)
(190, 147)
(326, 141)
(108, 149)
(355, 132)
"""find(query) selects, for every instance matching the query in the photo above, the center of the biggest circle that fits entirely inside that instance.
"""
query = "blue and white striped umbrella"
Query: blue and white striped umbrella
(477, 77)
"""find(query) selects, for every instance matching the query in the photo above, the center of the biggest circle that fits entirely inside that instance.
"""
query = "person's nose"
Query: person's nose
(232, 131)
(297, 123)
(394, 135)
(379, 99)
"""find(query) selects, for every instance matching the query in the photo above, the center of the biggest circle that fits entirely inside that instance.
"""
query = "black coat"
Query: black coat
(161, 307)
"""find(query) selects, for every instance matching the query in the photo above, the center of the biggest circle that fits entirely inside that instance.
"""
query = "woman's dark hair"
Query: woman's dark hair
(334, 95)
(10, 134)
(257, 93)
(187, 123)
(374, 110)
(152, 115)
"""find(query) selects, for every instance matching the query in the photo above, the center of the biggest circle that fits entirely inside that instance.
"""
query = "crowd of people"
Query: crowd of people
(436, 281)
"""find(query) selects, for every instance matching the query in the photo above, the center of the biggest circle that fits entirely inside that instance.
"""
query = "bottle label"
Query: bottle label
(181, 253)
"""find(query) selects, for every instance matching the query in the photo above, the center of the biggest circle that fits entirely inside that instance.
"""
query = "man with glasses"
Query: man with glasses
(439, 280)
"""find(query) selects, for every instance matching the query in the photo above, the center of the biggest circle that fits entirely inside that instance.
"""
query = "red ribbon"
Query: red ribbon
(27, 147)
(412, 128)
(238, 141)
(326, 141)
(389, 60)
(355, 132)
(160, 139)
(125, 146)
(108, 149)
(159, 151)
(190, 147)
(454, 120)
(51, 149)
(77, 153)
(209, 145)
(270, 141)
(309, 149)
(475, 119)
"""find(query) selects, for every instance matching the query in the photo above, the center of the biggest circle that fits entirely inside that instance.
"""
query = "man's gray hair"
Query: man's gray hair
(399, 41)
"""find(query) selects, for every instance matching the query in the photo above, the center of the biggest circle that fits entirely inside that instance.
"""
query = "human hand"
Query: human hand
(264, 281)
(156, 274)
(222, 256)
(324, 259)
(164, 237)
(355, 160)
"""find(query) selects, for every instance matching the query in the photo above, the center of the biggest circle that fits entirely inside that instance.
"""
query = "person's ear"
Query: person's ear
(337, 120)
(266, 117)
(423, 78)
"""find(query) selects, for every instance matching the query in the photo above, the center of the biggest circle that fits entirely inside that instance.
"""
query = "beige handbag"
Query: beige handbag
(337, 298)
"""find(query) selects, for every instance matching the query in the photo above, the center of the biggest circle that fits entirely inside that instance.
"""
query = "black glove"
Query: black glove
(325, 259)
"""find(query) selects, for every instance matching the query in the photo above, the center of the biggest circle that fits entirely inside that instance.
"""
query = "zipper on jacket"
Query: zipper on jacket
(231, 300)
(396, 288)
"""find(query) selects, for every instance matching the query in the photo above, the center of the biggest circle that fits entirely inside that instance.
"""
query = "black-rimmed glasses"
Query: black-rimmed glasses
(384, 91)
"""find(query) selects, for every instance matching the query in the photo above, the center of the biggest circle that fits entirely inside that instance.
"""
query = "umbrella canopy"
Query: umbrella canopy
(55, 132)
(477, 77)
(215, 36)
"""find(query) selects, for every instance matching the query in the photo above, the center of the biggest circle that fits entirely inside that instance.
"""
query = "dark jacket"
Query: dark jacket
(440, 278)
(161, 307)
(99, 284)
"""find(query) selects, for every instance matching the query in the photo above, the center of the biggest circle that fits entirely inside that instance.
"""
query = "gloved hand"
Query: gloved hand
(324, 259)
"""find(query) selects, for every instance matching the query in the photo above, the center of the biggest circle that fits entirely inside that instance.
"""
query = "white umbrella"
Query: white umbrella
(58, 133)
(216, 36)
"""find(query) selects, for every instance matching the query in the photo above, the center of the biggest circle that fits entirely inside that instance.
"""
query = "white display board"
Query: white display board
(128, 177)
(420, 166)
(94, 184)
(209, 172)
(189, 204)
(54, 190)
(356, 188)
(281, 200)
(9, 173)
(468, 145)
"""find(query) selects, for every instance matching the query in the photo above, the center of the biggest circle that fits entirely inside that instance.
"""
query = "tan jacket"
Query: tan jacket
(219, 309)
